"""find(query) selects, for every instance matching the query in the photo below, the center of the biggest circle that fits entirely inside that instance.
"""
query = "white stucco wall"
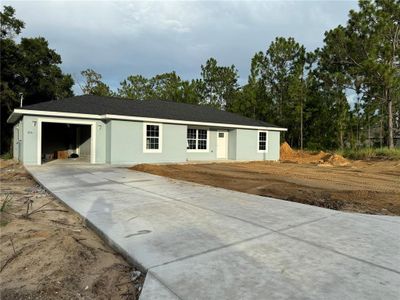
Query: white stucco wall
(121, 142)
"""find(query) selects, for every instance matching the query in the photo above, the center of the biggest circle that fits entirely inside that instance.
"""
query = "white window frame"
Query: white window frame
(160, 138)
(208, 140)
(266, 141)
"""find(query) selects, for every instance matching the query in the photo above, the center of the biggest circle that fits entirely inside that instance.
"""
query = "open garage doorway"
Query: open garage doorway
(66, 142)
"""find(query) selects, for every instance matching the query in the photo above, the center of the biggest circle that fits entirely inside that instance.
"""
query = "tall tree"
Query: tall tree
(281, 73)
(191, 91)
(93, 84)
(332, 83)
(29, 69)
(136, 87)
(368, 50)
(253, 100)
(219, 84)
(167, 86)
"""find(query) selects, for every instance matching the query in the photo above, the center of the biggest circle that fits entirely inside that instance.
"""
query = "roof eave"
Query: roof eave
(17, 113)
(14, 117)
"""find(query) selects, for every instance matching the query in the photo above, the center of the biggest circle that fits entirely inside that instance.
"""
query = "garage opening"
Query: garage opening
(66, 142)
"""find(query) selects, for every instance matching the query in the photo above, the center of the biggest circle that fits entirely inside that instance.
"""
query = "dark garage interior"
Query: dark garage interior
(66, 141)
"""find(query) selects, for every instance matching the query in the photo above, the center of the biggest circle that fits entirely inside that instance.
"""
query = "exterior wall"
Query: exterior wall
(108, 142)
(232, 137)
(126, 143)
(101, 139)
(30, 136)
(247, 145)
(17, 141)
(121, 142)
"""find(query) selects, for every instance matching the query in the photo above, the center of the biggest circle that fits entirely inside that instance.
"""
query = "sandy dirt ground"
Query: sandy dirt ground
(328, 181)
(51, 254)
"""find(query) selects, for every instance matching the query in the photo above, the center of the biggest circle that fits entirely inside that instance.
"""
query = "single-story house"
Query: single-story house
(121, 131)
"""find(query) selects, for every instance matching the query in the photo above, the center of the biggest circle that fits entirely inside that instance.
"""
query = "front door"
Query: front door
(222, 144)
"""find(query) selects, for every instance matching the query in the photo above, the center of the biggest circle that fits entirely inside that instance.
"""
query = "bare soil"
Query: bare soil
(51, 254)
(320, 179)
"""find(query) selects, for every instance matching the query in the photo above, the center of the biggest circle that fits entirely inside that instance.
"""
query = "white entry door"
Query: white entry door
(222, 144)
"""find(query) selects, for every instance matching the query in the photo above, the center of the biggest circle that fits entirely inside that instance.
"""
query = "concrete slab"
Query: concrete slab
(200, 242)
(153, 289)
(155, 238)
(368, 239)
(277, 267)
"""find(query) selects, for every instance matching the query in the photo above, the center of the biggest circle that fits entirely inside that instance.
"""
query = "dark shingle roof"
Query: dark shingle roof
(89, 104)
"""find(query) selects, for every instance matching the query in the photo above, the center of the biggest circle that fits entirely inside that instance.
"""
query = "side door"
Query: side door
(222, 144)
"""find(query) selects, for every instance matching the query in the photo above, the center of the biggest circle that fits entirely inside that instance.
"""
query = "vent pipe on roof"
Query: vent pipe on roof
(21, 100)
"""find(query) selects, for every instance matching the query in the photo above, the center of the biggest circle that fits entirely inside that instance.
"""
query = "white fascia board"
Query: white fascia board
(56, 114)
(134, 118)
(13, 118)
(171, 121)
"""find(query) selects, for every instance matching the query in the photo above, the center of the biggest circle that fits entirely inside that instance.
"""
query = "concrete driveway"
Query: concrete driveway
(200, 242)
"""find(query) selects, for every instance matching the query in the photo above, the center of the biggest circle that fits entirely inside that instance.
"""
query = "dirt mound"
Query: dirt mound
(337, 160)
(287, 152)
(304, 157)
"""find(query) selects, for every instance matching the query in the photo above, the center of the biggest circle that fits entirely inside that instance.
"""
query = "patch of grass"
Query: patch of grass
(7, 155)
(3, 222)
(371, 153)
(4, 207)
(6, 203)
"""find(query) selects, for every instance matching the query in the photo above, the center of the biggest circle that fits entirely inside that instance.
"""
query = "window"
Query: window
(152, 138)
(197, 139)
(262, 141)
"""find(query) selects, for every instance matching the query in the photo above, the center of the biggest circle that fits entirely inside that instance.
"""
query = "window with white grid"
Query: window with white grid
(152, 138)
(262, 141)
(197, 139)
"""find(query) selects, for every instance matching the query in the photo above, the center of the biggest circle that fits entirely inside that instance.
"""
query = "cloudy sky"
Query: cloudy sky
(121, 38)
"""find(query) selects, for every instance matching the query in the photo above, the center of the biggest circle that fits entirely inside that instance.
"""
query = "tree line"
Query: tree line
(344, 94)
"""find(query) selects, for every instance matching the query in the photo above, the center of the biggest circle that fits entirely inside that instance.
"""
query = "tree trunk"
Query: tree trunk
(341, 138)
(369, 131)
(301, 125)
(390, 123)
(381, 128)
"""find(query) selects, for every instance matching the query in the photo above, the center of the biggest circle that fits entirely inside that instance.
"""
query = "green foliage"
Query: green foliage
(29, 69)
(136, 87)
(6, 155)
(307, 92)
(219, 84)
(9, 25)
(93, 84)
(371, 153)
(366, 55)
(277, 88)
(167, 86)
